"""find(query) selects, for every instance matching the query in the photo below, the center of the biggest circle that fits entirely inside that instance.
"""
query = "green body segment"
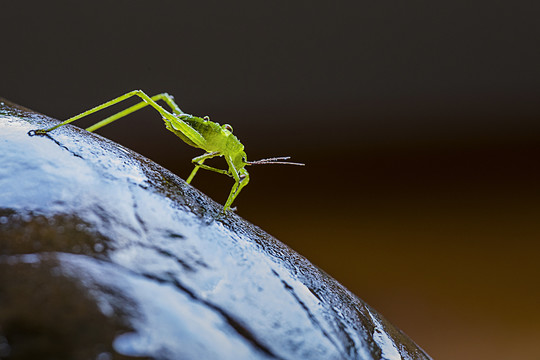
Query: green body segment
(215, 139)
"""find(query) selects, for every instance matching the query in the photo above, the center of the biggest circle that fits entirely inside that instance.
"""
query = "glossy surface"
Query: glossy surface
(104, 254)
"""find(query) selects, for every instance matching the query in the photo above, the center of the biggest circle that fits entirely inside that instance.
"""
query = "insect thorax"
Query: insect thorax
(216, 138)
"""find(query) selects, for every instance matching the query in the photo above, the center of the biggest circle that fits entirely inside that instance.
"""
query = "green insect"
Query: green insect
(215, 139)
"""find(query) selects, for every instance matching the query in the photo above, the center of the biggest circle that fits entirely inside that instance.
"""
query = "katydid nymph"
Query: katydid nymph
(215, 139)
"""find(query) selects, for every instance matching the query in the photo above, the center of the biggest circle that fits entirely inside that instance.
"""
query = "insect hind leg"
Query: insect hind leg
(168, 99)
(146, 101)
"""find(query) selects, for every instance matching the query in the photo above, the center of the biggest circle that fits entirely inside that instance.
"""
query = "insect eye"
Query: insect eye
(228, 127)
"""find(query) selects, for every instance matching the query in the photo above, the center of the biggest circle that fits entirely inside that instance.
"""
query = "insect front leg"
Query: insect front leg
(241, 179)
(237, 187)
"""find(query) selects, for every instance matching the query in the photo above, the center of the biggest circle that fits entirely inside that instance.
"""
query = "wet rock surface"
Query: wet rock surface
(106, 255)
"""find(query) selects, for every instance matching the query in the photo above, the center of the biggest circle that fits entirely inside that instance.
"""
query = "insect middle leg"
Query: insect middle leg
(199, 160)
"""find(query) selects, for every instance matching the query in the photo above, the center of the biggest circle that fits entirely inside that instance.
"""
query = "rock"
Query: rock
(106, 255)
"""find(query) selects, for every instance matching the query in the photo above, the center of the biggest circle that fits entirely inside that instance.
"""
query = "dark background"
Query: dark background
(418, 122)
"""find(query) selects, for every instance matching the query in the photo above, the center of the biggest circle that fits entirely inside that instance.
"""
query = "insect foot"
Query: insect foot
(37, 132)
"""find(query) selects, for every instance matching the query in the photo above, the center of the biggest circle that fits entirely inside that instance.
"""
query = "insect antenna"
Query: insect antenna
(274, 160)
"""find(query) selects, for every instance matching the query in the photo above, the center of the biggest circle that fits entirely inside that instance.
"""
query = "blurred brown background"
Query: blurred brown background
(419, 123)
